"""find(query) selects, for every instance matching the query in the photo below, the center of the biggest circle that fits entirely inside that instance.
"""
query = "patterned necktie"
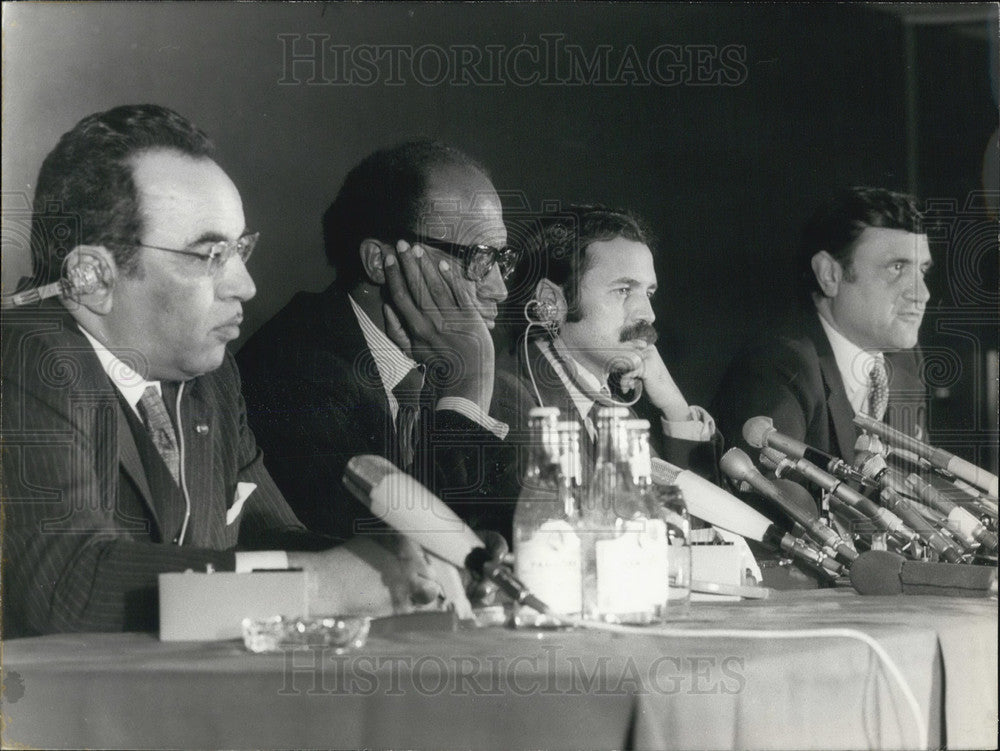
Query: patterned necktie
(161, 430)
(407, 393)
(878, 389)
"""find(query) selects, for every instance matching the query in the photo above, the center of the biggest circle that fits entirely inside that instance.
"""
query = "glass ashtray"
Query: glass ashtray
(343, 633)
(530, 619)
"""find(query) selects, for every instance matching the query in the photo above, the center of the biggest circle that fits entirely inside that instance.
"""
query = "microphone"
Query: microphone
(883, 518)
(957, 519)
(879, 572)
(760, 432)
(407, 506)
(978, 499)
(937, 457)
(874, 467)
(711, 503)
(714, 505)
(904, 509)
(739, 466)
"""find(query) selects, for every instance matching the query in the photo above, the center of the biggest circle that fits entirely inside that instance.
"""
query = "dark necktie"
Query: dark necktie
(878, 390)
(407, 393)
(153, 410)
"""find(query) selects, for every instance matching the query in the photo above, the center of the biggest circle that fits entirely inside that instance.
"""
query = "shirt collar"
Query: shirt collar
(392, 363)
(129, 383)
(853, 363)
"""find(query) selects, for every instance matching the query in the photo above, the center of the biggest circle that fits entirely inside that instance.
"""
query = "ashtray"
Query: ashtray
(277, 633)
(531, 619)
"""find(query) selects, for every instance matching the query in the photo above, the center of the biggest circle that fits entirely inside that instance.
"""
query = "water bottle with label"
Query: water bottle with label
(625, 544)
(546, 541)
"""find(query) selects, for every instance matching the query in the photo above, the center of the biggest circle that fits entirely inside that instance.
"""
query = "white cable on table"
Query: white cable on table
(820, 633)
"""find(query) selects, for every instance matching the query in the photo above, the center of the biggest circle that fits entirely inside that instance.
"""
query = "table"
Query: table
(758, 675)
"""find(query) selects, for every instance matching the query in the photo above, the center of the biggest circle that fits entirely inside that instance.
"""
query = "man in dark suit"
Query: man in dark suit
(852, 348)
(395, 357)
(126, 451)
(586, 286)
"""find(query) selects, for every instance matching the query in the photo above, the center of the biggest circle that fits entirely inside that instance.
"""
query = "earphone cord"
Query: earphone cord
(527, 361)
(600, 398)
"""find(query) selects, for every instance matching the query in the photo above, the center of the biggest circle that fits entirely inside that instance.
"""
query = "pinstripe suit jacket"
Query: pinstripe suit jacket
(87, 523)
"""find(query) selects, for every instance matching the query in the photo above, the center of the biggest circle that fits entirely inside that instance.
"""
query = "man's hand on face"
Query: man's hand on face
(434, 319)
(380, 575)
(657, 383)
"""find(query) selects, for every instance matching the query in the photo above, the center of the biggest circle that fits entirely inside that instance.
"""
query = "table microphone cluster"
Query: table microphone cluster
(888, 532)
(929, 531)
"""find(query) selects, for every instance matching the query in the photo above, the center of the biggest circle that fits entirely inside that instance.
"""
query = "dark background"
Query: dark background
(902, 97)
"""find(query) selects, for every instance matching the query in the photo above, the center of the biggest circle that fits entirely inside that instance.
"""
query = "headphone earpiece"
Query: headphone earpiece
(85, 273)
(542, 313)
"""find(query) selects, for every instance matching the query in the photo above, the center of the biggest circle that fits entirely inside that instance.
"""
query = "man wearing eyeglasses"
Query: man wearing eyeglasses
(394, 358)
(126, 451)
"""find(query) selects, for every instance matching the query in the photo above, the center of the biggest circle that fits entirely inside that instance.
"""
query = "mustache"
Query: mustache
(640, 330)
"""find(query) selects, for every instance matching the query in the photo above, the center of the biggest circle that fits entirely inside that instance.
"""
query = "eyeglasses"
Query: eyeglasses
(218, 253)
(478, 260)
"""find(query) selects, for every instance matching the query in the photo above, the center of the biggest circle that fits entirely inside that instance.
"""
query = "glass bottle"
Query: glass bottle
(665, 504)
(546, 543)
(625, 542)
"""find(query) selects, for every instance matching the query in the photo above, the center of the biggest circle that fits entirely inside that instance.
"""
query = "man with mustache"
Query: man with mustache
(588, 281)
(395, 357)
(852, 348)
(126, 451)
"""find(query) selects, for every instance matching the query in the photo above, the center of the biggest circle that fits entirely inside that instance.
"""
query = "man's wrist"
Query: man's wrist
(676, 411)
(477, 390)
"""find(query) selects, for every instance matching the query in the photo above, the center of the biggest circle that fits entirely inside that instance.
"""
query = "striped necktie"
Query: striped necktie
(161, 430)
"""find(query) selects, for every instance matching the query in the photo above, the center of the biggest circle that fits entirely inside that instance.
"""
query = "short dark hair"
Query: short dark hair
(383, 197)
(839, 221)
(85, 193)
(555, 248)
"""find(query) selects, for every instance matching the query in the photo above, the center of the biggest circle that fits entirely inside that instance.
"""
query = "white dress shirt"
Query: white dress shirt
(854, 364)
(393, 365)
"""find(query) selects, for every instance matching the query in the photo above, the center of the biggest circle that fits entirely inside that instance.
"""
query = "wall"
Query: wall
(770, 107)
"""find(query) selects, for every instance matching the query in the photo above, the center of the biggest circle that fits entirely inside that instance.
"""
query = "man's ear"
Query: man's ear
(551, 301)
(91, 273)
(372, 260)
(829, 273)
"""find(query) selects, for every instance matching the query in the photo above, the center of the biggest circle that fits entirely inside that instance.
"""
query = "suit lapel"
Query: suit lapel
(127, 456)
(166, 500)
(841, 412)
(346, 341)
(207, 512)
(131, 463)
(554, 394)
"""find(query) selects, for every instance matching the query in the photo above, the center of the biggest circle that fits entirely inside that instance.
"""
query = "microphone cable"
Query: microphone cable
(877, 649)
